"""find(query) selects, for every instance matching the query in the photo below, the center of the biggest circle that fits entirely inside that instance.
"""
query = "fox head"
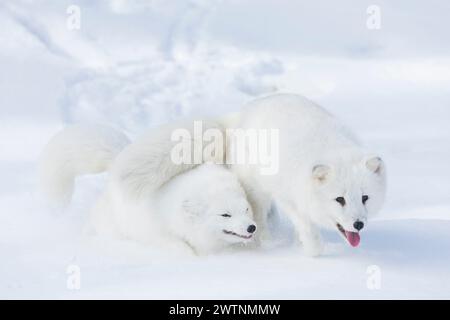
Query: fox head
(226, 217)
(345, 194)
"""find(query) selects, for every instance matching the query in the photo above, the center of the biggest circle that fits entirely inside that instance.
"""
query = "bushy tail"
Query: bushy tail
(76, 150)
(148, 163)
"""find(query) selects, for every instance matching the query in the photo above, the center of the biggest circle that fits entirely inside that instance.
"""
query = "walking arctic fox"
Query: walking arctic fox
(204, 209)
(325, 178)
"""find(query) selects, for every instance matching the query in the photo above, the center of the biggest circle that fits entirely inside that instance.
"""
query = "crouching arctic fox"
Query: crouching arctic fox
(325, 177)
(204, 209)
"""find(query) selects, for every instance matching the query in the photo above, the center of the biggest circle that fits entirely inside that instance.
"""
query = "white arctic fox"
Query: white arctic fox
(325, 177)
(204, 209)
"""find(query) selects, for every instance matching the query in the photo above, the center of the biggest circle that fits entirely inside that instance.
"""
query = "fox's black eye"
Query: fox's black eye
(226, 215)
(341, 201)
(364, 199)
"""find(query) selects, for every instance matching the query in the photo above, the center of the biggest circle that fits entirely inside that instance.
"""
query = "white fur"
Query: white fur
(147, 165)
(76, 150)
(319, 160)
(187, 210)
(311, 138)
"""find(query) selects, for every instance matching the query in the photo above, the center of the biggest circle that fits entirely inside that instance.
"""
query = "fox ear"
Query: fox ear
(321, 172)
(375, 164)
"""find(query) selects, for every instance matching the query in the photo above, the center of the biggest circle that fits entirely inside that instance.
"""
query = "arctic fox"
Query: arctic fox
(204, 209)
(325, 177)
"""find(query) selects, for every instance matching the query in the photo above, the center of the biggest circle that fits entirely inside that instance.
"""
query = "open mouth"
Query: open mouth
(237, 235)
(352, 237)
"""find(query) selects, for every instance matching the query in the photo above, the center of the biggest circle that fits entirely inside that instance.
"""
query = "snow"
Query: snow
(135, 64)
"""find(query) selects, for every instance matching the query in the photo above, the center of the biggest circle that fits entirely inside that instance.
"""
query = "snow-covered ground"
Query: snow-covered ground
(135, 64)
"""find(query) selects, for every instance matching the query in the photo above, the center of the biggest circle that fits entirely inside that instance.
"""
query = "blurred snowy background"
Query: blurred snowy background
(135, 64)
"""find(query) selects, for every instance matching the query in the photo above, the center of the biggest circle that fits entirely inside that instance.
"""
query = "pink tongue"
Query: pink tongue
(353, 238)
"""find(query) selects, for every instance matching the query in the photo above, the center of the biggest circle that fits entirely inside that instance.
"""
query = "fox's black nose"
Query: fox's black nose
(358, 225)
(251, 228)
